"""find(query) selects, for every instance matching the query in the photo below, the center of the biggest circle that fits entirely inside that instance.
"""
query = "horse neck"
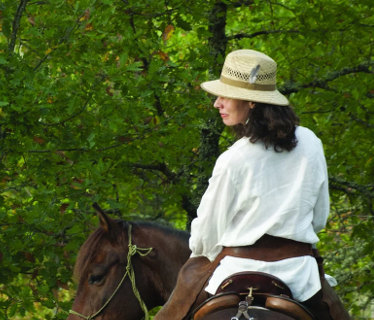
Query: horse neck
(171, 251)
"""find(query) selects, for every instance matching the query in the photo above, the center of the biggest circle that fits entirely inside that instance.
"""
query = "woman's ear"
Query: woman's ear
(251, 105)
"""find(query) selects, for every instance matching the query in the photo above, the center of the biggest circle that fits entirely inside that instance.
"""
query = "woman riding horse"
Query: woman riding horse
(268, 191)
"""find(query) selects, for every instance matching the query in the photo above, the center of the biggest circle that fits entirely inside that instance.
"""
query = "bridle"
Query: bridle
(133, 250)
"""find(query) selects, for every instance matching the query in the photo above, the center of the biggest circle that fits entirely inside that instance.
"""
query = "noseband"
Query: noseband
(133, 250)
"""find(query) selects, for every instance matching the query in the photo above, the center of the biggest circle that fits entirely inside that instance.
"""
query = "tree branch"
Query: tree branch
(81, 110)
(187, 203)
(16, 22)
(360, 121)
(351, 187)
(258, 33)
(354, 189)
(237, 4)
(124, 140)
(290, 87)
(160, 110)
(171, 176)
(60, 41)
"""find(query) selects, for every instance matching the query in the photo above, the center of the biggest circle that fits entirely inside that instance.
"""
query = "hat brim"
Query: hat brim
(220, 89)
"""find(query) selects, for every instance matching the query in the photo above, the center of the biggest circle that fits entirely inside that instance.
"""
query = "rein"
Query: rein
(133, 250)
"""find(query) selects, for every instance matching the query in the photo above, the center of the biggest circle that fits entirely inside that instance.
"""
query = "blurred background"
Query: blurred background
(100, 102)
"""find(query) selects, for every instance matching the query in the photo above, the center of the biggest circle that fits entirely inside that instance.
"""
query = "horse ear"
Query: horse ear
(105, 222)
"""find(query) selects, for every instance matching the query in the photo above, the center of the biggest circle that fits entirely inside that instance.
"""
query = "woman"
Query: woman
(271, 183)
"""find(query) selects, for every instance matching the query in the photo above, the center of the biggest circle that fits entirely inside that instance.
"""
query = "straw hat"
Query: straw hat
(247, 75)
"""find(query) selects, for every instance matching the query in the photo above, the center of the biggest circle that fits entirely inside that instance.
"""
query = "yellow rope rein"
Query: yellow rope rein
(133, 250)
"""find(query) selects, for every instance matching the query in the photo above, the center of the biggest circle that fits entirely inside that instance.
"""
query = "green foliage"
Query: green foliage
(100, 102)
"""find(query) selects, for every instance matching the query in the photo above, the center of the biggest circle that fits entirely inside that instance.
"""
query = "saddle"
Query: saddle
(195, 273)
(246, 295)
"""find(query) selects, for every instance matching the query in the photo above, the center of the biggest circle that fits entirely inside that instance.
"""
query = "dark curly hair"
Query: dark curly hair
(271, 124)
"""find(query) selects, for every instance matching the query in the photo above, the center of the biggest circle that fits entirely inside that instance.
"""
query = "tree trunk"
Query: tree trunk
(213, 127)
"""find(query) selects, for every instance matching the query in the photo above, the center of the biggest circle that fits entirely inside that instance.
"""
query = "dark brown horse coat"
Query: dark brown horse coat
(104, 260)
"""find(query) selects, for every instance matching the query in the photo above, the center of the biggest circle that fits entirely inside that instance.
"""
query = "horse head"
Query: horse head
(126, 268)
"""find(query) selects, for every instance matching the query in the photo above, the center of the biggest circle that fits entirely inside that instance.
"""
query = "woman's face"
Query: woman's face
(232, 111)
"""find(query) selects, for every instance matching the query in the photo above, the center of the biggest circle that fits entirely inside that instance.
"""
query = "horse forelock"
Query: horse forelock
(91, 247)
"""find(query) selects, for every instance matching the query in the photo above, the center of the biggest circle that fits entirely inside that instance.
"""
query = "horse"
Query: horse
(125, 269)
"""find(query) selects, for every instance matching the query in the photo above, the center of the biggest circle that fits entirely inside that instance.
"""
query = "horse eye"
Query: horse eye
(96, 279)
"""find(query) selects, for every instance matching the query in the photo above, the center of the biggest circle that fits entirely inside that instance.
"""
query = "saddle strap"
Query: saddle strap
(270, 248)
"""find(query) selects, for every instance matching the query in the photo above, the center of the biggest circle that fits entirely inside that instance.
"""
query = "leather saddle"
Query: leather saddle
(247, 295)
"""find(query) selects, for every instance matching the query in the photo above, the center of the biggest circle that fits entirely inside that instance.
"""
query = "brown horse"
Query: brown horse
(126, 268)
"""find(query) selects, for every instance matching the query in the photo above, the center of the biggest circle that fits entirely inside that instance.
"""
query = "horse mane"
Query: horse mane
(179, 234)
(88, 250)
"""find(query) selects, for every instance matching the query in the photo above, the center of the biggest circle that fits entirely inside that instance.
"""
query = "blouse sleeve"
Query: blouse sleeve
(216, 208)
(322, 207)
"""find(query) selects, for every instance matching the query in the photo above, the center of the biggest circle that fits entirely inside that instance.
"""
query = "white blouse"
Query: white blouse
(253, 191)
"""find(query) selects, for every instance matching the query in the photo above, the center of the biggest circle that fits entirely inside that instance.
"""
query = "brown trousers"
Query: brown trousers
(191, 280)
(195, 273)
